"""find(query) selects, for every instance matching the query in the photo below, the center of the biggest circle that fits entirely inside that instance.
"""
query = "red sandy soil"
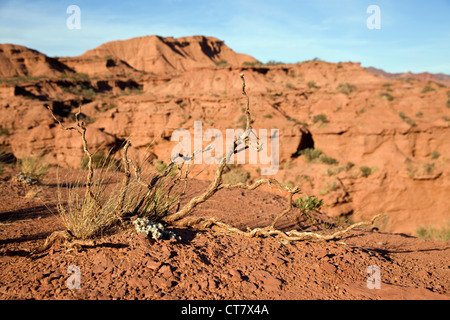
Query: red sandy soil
(208, 265)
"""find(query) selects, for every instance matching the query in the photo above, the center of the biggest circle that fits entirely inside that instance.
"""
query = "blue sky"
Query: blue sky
(414, 34)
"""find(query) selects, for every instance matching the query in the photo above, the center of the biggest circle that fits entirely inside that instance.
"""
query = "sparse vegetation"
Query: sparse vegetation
(82, 89)
(435, 154)
(433, 233)
(386, 96)
(320, 118)
(252, 64)
(367, 171)
(33, 167)
(74, 76)
(334, 171)
(289, 86)
(274, 63)
(308, 204)
(346, 88)
(327, 160)
(328, 187)
(4, 131)
(312, 85)
(428, 167)
(427, 89)
(317, 155)
(407, 119)
(222, 63)
(241, 122)
(22, 79)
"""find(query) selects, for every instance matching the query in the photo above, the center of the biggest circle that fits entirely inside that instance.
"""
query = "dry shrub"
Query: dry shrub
(105, 202)
(85, 216)
(33, 167)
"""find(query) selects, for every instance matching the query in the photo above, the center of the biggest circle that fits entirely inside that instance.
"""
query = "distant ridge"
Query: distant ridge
(153, 54)
(19, 61)
(158, 54)
(424, 76)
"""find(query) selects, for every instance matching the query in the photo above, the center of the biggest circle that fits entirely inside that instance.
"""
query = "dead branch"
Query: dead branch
(126, 179)
(269, 231)
(81, 129)
(180, 218)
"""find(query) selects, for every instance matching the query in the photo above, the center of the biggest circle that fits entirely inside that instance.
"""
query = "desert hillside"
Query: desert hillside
(382, 143)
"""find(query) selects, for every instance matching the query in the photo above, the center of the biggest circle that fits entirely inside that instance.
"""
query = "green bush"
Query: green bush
(367, 171)
(435, 154)
(317, 155)
(308, 204)
(327, 160)
(4, 131)
(311, 154)
(320, 118)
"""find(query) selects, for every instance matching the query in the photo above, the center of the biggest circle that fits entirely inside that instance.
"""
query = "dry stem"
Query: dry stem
(81, 129)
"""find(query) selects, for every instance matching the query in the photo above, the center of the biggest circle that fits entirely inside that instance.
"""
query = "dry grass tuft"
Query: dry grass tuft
(33, 167)
(84, 216)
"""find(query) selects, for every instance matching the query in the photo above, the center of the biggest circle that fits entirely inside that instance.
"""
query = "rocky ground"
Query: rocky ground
(208, 265)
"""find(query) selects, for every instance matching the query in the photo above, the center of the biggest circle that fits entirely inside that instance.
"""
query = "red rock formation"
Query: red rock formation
(164, 55)
(390, 138)
(17, 60)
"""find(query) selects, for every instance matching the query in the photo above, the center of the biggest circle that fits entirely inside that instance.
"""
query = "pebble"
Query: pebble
(328, 267)
(162, 283)
(153, 264)
(235, 275)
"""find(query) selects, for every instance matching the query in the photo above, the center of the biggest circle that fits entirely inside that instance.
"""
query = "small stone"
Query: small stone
(277, 261)
(204, 284)
(162, 283)
(235, 275)
(99, 268)
(322, 254)
(328, 267)
(138, 282)
(153, 264)
(166, 271)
